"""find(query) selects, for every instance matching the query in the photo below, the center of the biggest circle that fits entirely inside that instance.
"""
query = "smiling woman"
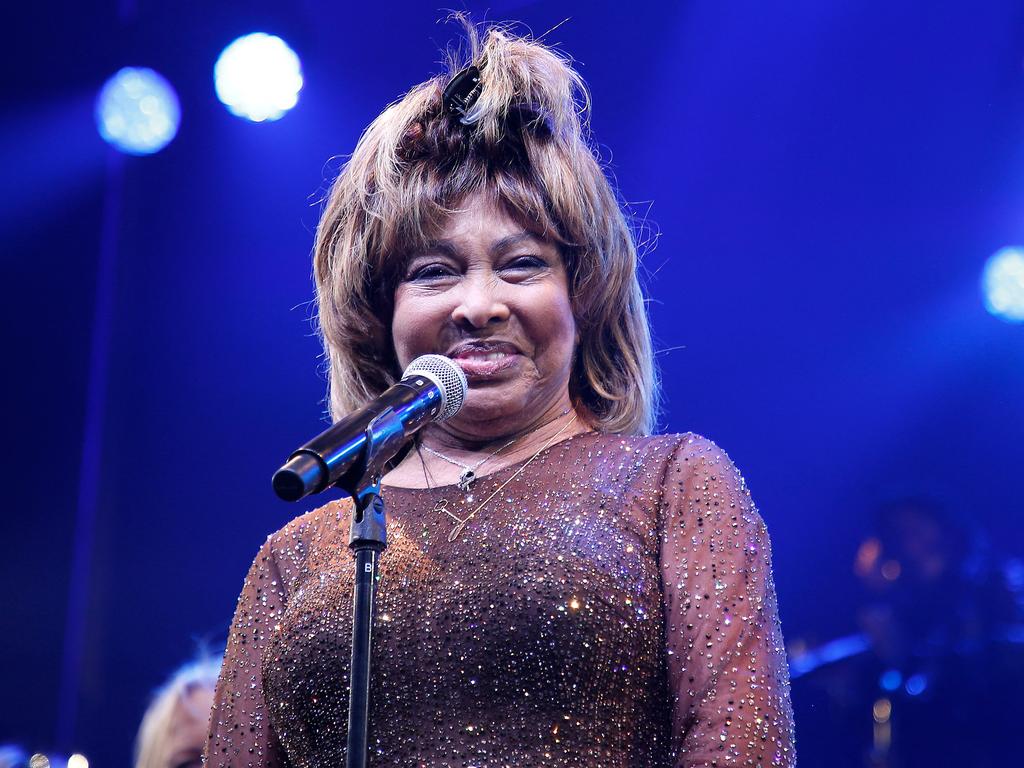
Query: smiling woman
(560, 588)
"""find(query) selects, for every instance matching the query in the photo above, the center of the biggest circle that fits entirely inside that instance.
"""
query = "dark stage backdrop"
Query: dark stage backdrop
(824, 180)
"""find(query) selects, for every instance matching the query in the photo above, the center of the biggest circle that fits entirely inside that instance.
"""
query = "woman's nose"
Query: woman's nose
(480, 304)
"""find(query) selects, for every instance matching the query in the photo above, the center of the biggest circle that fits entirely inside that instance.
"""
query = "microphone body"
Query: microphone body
(432, 389)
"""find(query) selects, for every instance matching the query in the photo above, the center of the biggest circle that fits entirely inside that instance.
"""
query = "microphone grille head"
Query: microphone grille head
(448, 377)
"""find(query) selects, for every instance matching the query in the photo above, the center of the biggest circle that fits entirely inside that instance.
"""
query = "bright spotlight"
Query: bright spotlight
(258, 77)
(1002, 284)
(78, 761)
(137, 111)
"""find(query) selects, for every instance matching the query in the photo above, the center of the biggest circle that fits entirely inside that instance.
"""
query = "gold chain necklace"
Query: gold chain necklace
(468, 476)
(461, 522)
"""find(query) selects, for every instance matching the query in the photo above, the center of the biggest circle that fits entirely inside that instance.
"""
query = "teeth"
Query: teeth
(485, 355)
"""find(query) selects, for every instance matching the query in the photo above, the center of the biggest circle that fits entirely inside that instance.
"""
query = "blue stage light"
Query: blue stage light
(258, 77)
(137, 111)
(916, 684)
(1002, 284)
(890, 680)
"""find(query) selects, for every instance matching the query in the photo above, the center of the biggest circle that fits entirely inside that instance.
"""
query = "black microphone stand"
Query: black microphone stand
(367, 540)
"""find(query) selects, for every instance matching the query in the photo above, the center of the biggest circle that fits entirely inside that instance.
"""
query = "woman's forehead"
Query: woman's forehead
(485, 218)
(496, 233)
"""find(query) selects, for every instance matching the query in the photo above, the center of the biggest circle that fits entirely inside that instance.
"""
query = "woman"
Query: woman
(559, 588)
(174, 728)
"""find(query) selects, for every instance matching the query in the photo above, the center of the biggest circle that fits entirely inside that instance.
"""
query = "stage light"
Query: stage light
(1002, 284)
(137, 111)
(916, 684)
(258, 77)
(77, 761)
(882, 710)
(890, 680)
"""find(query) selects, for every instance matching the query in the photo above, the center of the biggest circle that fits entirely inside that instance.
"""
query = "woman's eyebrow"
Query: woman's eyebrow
(451, 249)
(511, 241)
(444, 247)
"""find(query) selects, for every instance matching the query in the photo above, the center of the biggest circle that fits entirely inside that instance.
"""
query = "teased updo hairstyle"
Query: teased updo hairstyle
(527, 147)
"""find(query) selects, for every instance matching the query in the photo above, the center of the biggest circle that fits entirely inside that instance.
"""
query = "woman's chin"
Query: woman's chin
(489, 409)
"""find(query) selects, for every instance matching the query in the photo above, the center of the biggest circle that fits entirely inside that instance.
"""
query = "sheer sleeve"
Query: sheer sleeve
(727, 670)
(241, 735)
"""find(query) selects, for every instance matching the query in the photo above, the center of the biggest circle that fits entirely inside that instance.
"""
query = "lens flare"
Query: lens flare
(137, 111)
(1002, 284)
(258, 77)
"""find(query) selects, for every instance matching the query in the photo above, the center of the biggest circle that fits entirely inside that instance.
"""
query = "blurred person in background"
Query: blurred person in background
(931, 584)
(934, 675)
(175, 727)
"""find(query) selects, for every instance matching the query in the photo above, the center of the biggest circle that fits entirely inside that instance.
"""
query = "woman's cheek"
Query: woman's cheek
(404, 328)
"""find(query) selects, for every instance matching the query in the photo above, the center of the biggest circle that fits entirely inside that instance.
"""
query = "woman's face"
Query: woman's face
(493, 297)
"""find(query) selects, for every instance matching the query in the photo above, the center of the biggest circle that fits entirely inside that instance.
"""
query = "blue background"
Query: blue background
(826, 181)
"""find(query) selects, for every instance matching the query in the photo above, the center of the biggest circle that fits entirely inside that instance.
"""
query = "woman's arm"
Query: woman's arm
(241, 735)
(726, 661)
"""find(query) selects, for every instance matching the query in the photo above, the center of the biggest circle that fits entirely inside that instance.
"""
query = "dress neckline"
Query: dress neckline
(496, 473)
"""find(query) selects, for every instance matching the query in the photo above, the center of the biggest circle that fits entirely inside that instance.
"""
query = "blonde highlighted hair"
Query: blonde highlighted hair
(526, 146)
(155, 731)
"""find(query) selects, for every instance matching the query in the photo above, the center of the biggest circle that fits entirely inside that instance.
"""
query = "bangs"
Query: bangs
(429, 197)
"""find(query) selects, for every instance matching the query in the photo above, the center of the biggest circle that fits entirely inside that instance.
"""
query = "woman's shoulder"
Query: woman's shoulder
(310, 531)
(676, 462)
(685, 447)
(701, 481)
(691, 477)
(690, 466)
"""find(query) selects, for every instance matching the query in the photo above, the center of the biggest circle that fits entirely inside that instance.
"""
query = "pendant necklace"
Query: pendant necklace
(461, 522)
(468, 475)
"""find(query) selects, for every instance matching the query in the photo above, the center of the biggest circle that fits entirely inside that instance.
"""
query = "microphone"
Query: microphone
(433, 388)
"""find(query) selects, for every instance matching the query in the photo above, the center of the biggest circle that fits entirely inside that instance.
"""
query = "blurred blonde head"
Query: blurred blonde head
(527, 147)
(174, 729)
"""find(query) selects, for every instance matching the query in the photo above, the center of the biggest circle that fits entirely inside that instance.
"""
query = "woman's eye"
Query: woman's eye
(430, 272)
(526, 262)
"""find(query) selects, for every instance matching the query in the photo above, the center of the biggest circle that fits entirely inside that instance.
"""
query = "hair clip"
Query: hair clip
(461, 94)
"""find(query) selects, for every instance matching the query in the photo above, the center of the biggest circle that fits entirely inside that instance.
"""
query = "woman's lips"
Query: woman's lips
(486, 366)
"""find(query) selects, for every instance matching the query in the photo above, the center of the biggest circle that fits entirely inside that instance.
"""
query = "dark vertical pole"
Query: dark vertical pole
(362, 642)
(92, 447)
(367, 539)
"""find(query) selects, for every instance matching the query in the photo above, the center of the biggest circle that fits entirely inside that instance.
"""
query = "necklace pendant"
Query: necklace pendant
(466, 479)
(457, 530)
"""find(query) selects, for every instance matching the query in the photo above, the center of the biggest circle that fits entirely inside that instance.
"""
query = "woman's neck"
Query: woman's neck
(449, 437)
(442, 454)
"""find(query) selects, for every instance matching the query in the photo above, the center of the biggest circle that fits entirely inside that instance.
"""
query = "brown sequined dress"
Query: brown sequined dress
(612, 606)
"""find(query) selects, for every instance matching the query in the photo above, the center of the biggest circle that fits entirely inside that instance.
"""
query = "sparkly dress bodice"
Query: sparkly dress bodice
(611, 606)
